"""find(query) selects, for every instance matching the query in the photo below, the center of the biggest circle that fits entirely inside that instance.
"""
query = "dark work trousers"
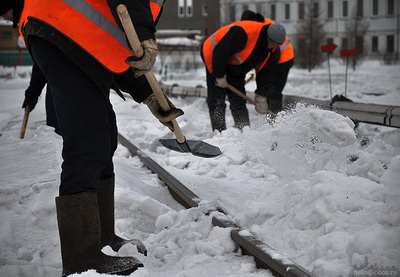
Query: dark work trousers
(82, 115)
(216, 96)
(51, 117)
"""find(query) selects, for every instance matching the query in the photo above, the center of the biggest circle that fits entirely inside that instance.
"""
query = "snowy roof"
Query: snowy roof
(178, 41)
(178, 32)
(4, 22)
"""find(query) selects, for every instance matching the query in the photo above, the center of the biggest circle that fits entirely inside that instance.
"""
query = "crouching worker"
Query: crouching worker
(271, 80)
(229, 54)
(81, 49)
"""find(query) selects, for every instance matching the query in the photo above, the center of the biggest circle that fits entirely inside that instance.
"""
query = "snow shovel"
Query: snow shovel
(24, 122)
(180, 144)
(244, 96)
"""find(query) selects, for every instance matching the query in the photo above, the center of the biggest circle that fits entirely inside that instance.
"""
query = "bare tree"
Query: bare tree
(356, 28)
(310, 35)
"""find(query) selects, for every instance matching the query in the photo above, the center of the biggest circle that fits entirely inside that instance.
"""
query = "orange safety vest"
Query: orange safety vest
(155, 7)
(286, 47)
(268, 21)
(90, 24)
(287, 52)
(252, 29)
(23, 17)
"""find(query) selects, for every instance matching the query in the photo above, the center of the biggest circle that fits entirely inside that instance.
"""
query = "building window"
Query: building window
(287, 11)
(189, 8)
(232, 13)
(204, 10)
(301, 10)
(345, 43)
(6, 35)
(330, 9)
(374, 44)
(181, 8)
(390, 7)
(360, 8)
(259, 7)
(345, 9)
(264, 8)
(389, 44)
(245, 7)
(375, 7)
(329, 40)
(360, 44)
(273, 11)
(316, 10)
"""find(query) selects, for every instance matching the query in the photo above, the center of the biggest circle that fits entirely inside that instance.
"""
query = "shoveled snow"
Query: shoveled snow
(310, 186)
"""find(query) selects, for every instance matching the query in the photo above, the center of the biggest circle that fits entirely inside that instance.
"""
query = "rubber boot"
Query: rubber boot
(218, 120)
(275, 105)
(241, 118)
(105, 199)
(79, 228)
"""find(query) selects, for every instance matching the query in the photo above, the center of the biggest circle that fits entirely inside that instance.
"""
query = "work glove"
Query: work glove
(221, 82)
(30, 101)
(261, 104)
(164, 117)
(145, 63)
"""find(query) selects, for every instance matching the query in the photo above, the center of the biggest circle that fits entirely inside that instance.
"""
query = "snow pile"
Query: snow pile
(306, 183)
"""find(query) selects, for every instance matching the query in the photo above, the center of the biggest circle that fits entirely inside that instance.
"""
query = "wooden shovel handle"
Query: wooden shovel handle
(250, 100)
(24, 122)
(241, 94)
(138, 51)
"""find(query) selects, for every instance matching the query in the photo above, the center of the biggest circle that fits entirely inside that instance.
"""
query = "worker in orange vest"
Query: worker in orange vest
(229, 54)
(81, 49)
(272, 80)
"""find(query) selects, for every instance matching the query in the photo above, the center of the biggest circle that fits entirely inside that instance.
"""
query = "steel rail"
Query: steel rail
(385, 115)
(265, 256)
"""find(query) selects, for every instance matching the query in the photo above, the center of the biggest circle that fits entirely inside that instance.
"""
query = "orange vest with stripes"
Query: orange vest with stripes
(286, 47)
(252, 29)
(90, 24)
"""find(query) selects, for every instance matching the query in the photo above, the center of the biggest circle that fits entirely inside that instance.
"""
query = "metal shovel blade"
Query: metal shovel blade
(197, 148)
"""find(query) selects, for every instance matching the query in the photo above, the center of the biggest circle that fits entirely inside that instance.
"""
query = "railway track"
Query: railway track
(265, 256)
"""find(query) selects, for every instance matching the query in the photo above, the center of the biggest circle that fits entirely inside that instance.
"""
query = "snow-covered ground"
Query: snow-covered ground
(321, 197)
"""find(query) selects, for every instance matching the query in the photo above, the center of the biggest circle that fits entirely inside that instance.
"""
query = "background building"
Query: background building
(201, 16)
(371, 26)
(12, 48)
(380, 20)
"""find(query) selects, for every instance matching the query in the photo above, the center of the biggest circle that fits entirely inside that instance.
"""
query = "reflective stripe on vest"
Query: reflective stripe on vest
(107, 24)
(286, 51)
(90, 24)
(252, 29)
(286, 47)
(286, 54)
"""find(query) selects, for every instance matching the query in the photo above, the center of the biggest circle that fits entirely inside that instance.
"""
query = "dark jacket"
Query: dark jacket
(36, 85)
(271, 80)
(233, 42)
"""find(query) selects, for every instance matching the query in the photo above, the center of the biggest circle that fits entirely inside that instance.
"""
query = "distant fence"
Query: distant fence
(385, 115)
(11, 58)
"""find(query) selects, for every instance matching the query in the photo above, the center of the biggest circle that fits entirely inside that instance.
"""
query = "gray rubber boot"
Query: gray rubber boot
(218, 120)
(105, 199)
(79, 228)
(241, 118)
